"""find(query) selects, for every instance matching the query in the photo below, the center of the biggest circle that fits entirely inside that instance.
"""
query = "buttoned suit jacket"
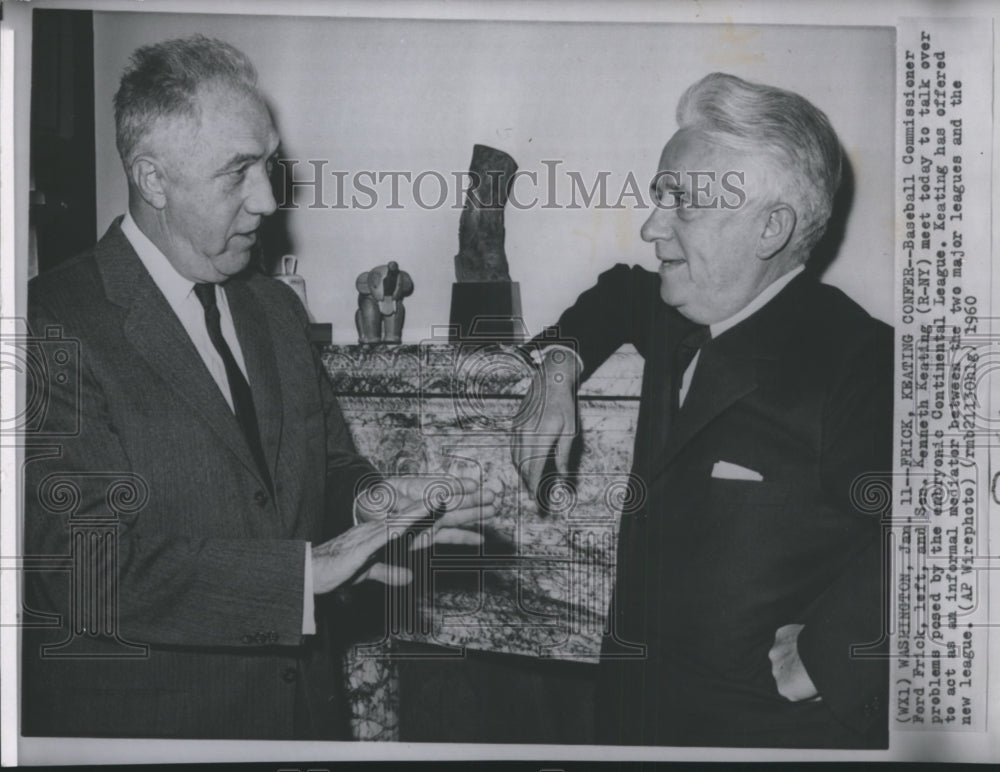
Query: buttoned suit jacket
(207, 571)
(707, 571)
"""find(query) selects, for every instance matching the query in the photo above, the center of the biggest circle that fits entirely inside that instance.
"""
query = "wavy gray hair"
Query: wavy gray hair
(162, 81)
(758, 119)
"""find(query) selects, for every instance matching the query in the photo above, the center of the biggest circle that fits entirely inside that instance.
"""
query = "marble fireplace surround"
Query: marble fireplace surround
(540, 584)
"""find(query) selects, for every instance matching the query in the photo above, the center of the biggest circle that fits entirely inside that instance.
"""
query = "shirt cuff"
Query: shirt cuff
(308, 601)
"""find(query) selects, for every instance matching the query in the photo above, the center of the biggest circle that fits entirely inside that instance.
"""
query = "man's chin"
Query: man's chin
(233, 263)
(682, 303)
(670, 293)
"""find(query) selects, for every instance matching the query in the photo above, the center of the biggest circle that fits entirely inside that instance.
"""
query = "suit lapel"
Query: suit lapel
(729, 369)
(722, 376)
(162, 342)
(262, 367)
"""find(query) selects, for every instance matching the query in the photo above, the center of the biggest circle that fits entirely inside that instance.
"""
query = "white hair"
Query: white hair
(760, 119)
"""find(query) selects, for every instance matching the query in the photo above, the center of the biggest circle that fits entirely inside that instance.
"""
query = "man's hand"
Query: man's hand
(789, 673)
(387, 508)
(547, 418)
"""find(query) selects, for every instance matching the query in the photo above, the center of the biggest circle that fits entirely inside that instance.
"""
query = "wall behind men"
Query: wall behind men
(379, 96)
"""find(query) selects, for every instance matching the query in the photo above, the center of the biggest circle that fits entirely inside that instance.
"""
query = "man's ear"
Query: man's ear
(778, 229)
(146, 174)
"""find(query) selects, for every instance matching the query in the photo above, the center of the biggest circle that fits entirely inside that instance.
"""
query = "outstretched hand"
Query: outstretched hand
(449, 507)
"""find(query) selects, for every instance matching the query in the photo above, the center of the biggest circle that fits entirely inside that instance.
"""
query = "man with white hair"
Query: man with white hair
(749, 575)
(200, 395)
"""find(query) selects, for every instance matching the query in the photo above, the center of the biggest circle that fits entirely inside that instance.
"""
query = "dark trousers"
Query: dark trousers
(495, 698)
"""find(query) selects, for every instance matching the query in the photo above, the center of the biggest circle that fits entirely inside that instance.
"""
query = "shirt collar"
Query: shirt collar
(762, 299)
(175, 288)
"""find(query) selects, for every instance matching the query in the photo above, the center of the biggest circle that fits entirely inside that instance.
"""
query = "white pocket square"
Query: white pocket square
(723, 470)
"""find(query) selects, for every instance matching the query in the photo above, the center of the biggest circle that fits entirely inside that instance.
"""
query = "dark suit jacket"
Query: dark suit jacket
(709, 569)
(209, 571)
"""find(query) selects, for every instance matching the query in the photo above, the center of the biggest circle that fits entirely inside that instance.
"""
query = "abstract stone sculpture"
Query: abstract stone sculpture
(484, 301)
(481, 255)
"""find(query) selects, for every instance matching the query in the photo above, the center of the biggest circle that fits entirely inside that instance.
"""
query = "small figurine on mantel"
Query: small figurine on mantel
(287, 275)
(380, 313)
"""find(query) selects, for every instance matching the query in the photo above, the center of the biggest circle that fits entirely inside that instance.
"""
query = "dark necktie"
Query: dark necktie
(689, 346)
(239, 389)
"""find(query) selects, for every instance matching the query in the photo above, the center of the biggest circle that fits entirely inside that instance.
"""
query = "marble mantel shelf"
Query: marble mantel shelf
(453, 370)
(541, 583)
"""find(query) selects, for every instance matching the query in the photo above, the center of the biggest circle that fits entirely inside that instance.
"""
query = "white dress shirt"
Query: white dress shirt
(715, 330)
(180, 296)
(179, 293)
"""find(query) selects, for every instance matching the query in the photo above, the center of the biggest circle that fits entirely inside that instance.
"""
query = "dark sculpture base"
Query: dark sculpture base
(486, 310)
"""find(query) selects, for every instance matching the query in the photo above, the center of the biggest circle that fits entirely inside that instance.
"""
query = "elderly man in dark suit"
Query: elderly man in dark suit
(749, 575)
(198, 388)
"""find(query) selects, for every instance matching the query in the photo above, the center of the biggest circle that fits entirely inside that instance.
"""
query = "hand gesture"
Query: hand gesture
(547, 418)
(448, 506)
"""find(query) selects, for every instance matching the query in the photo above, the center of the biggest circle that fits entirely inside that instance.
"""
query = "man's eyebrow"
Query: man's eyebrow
(240, 159)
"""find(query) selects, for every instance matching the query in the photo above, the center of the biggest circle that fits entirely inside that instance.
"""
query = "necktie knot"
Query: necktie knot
(683, 356)
(206, 294)
(690, 345)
